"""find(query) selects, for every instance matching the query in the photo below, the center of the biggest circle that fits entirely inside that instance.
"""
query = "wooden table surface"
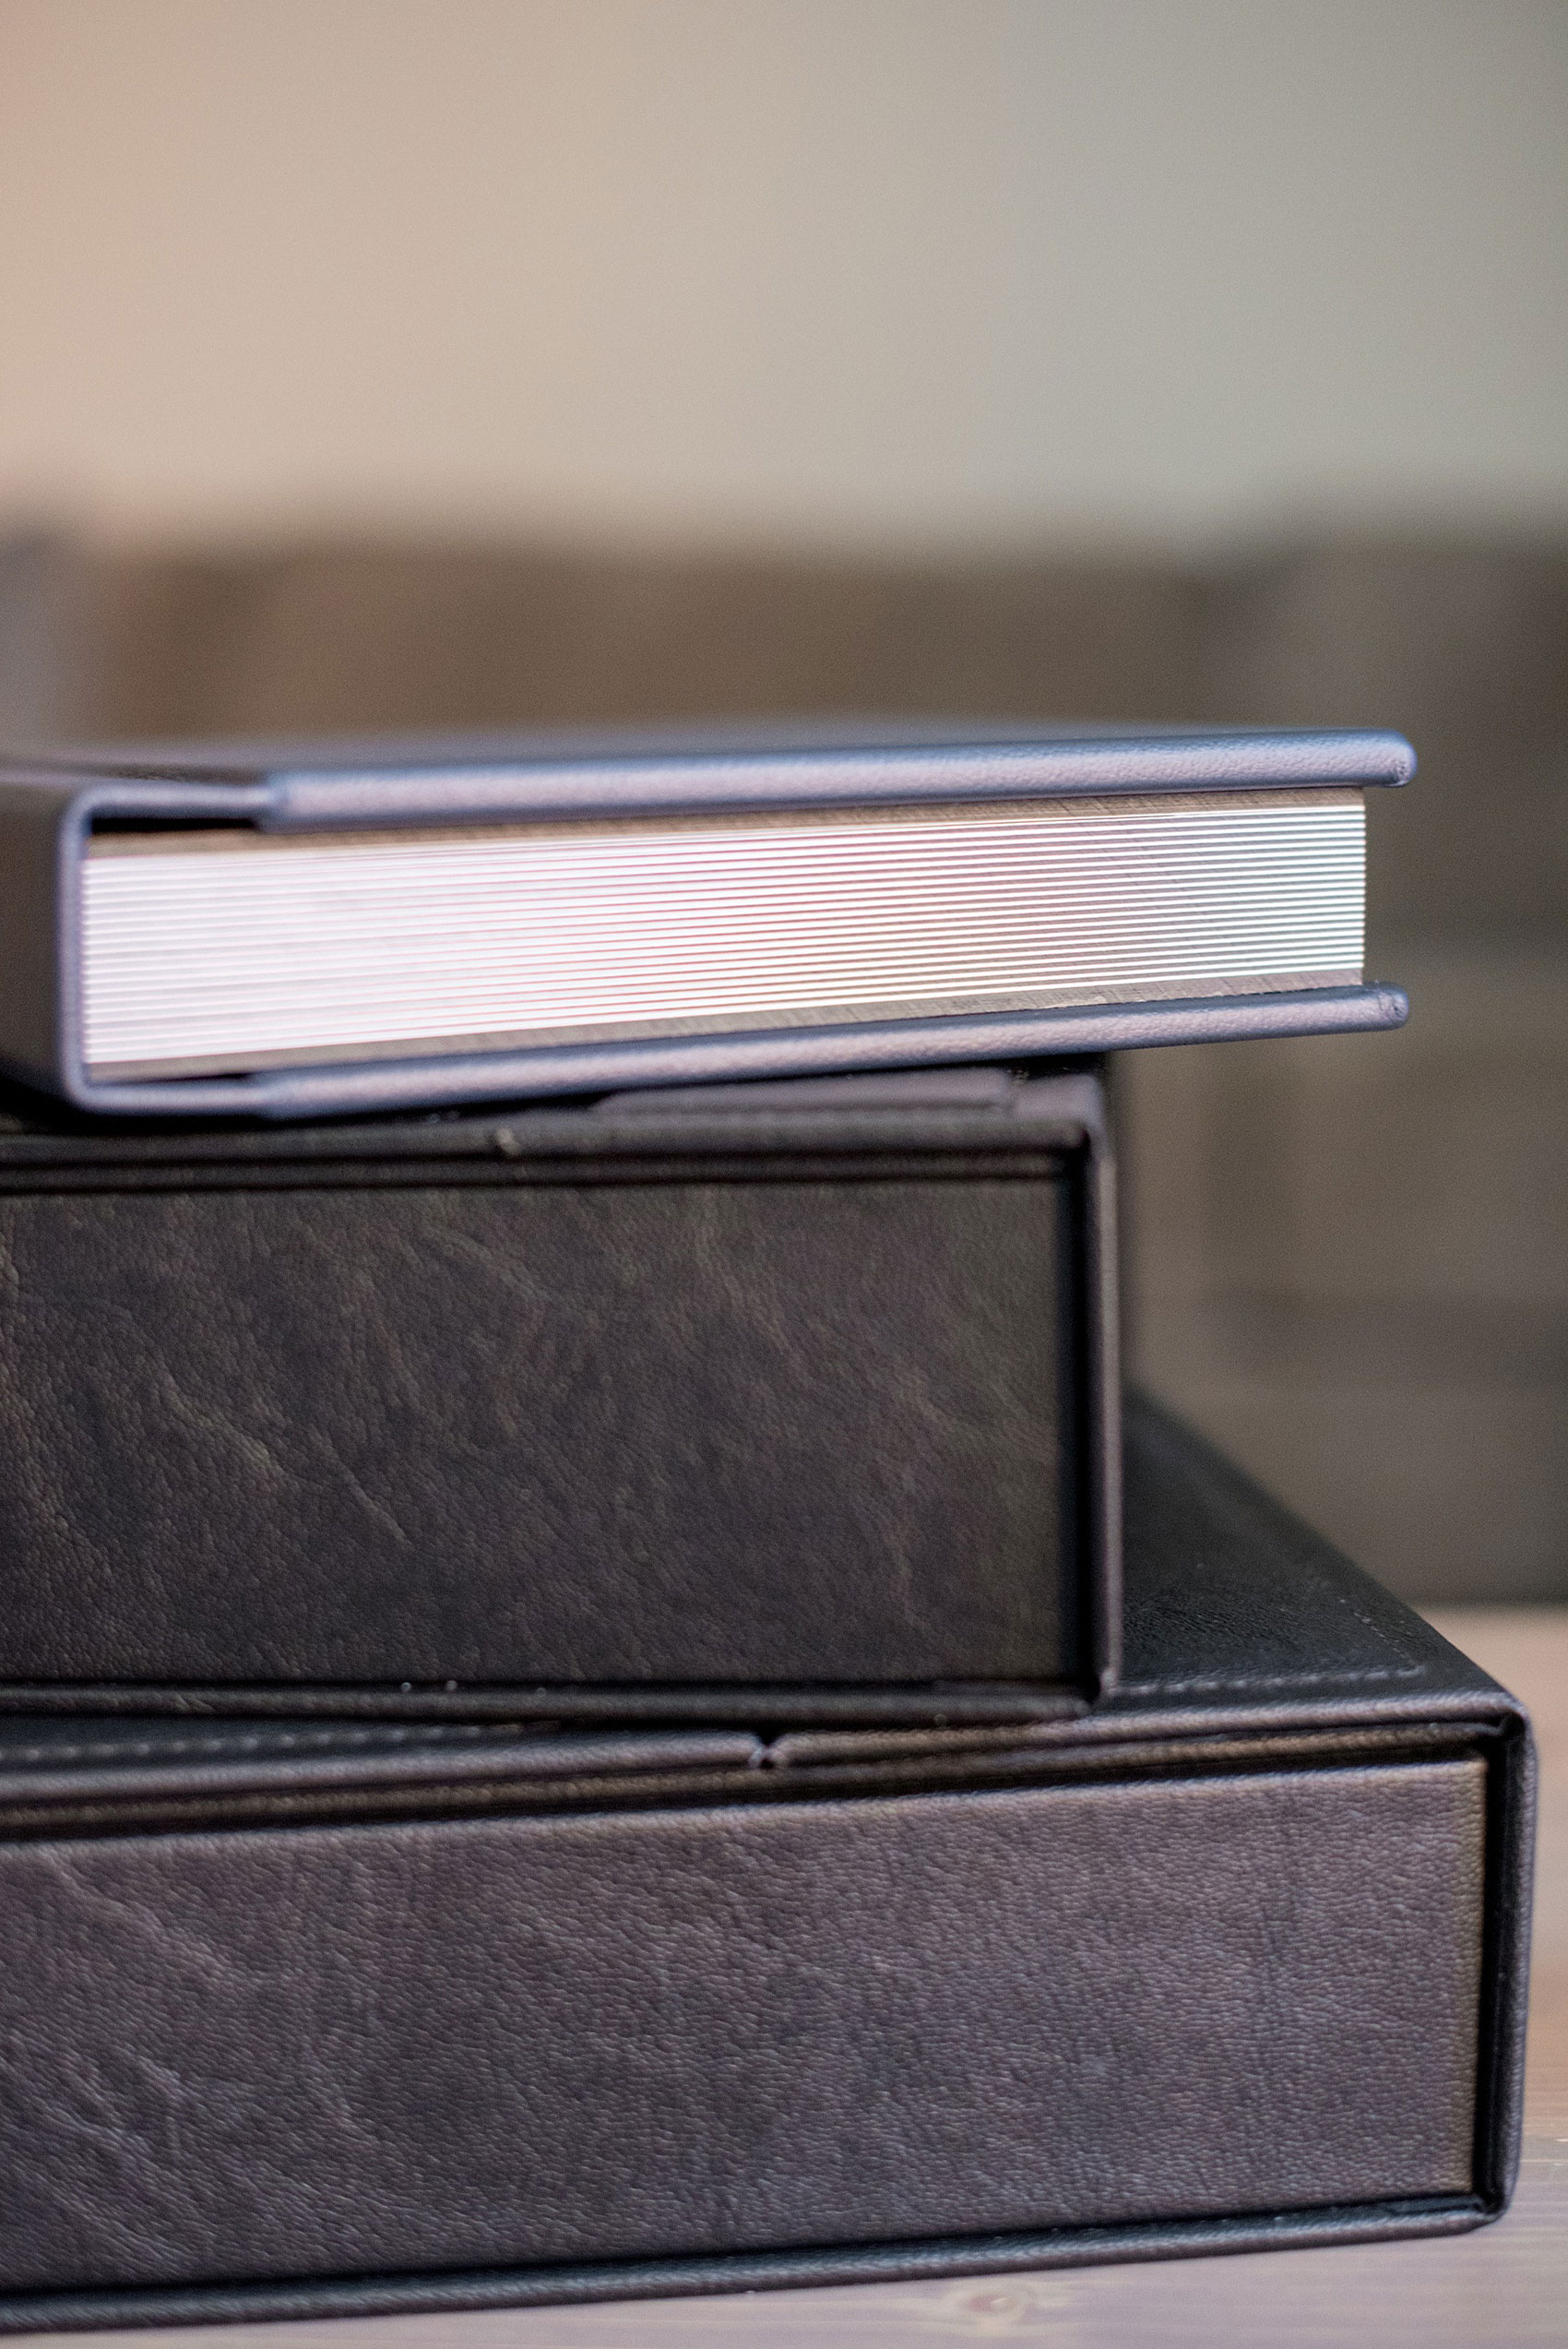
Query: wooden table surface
(1502, 2285)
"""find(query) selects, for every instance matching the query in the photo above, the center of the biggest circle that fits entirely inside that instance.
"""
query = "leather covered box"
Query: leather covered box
(625, 1408)
(320, 2018)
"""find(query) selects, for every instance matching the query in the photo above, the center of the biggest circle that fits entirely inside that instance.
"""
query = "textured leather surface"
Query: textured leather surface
(513, 2042)
(1203, 1968)
(1230, 1629)
(761, 1400)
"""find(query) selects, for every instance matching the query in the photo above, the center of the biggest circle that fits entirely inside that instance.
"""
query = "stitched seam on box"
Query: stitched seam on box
(277, 1742)
(1267, 1680)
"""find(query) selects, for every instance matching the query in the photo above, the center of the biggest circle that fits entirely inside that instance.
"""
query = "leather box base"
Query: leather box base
(607, 1411)
(318, 2018)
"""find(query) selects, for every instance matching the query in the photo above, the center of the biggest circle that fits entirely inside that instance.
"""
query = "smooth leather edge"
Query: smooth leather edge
(352, 1089)
(749, 2271)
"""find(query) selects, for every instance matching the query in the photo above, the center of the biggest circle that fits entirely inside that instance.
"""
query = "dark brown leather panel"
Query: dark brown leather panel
(796, 1410)
(319, 2051)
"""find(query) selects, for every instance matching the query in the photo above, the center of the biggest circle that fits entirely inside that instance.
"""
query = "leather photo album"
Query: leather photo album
(298, 929)
(619, 1411)
(311, 2017)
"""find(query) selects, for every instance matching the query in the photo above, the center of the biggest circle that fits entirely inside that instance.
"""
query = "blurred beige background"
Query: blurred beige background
(403, 362)
(867, 271)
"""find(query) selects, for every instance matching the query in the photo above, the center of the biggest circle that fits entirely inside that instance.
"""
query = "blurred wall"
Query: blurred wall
(883, 272)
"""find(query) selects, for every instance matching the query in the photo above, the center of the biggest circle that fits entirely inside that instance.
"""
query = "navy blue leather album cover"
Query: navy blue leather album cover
(308, 929)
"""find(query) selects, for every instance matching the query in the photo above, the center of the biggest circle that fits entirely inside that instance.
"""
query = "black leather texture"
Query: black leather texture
(738, 2027)
(297, 2026)
(734, 1393)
